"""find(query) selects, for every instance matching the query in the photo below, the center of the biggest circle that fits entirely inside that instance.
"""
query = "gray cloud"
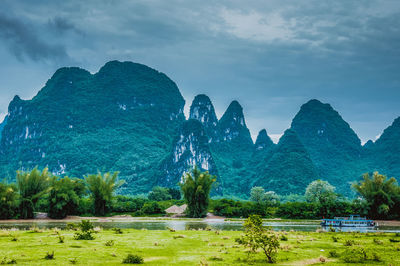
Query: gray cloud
(272, 56)
(23, 42)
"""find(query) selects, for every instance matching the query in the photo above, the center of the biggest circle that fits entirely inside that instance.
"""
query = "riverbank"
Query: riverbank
(191, 247)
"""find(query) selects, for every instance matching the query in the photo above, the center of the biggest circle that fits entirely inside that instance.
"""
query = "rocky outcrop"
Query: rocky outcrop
(203, 110)
(190, 149)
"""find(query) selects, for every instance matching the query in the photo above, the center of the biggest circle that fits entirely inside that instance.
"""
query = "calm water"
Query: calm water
(188, 225)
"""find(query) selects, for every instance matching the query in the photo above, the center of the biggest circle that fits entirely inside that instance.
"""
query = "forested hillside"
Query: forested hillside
(129, 118)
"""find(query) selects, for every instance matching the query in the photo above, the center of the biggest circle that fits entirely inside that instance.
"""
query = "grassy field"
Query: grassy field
(193, 248)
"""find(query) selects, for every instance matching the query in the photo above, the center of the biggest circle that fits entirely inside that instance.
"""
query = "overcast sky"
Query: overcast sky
(271, 56)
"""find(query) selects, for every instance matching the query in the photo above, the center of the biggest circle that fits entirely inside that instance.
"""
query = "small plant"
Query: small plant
(257, 237)
(354, 255)
(61, 238)
(394, 240)
(35, 229)
(109, 243)
(349, 243)
(72, 226)
(377, 241)
(73, 260)
(14, 238)
(133, 259)
(335, 238)
(84, 235)
(117, 230)
(86, 231)
(216, 258)
(397, 234)
(284, 238)
(85, 225)
(49, 256)
(333, 254)
(376, 257)
(5, 260)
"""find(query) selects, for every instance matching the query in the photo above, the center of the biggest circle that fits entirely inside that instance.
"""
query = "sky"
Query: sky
(270, 55)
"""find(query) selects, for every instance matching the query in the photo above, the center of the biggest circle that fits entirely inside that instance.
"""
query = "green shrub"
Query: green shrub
(86, 232)
(117, 230)
(216, 258)
(354, 255)
(394, 240)
(61, 238)
(133, 259)
(349, 243)
(377, 241)
(85, 225)
(284, 238)
(335, 238)
(376, 257)
(84, 235)
(5, 260)
(73, 260)
(109, 243)
(333, 254)
(49, 256)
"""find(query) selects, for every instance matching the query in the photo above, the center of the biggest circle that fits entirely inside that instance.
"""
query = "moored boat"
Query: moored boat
(350, 221)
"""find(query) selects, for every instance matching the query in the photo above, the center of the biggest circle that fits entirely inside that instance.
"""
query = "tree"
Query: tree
(102, 188)
(257, 194)
(159, 194)
(196, 188)
(269, 198)
(31, 185)
(381, 194)
(256, 236)
(175, 193)
(8, 201)
(64, 196)
(320, 191)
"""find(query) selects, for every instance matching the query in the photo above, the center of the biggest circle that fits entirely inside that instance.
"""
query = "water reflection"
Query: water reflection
(196, 225)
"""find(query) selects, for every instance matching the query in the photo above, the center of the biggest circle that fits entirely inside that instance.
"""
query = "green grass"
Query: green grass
(187, 248)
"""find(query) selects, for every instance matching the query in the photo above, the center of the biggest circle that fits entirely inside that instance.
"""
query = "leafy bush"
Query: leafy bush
(152, 208)
(349, 243)
(333, 254)
(377, 241)
(86, 232)
(284, 238)
(354, 255)
(61, 238)
(49, 256)
(85, 225)
(84, 235)
(335, 239)
(256, 237)
(117, 230)
(133, 259)
(6, 260)
(109, 243)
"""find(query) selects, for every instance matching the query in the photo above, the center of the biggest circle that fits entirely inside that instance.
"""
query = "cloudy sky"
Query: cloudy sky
(271, 56)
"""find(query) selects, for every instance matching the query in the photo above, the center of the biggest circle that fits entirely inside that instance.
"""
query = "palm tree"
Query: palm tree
(31, 185)
(102, 188)
(196, 188)
(379, 193)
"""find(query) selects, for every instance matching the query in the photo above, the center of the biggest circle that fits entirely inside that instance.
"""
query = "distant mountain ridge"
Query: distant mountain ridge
(129, 118)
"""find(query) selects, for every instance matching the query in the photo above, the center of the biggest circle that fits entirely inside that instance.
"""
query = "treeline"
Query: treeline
(378, 198)
(40, 191)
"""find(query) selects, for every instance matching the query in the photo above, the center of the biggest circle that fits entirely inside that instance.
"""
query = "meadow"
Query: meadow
(193, 247)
